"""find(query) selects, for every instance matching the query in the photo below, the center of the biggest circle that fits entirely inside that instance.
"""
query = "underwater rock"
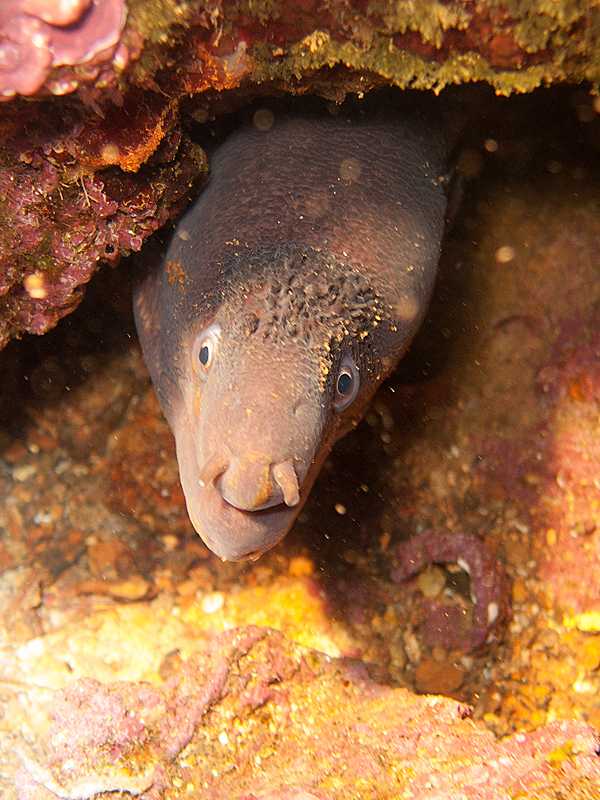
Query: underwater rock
(569, 385)
(515, 47)
(257, 716)
(61, 218)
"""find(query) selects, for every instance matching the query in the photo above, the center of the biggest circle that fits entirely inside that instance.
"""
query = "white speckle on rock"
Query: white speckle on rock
(492, 613)
(212, 603)
(31, 649)
(24, 472)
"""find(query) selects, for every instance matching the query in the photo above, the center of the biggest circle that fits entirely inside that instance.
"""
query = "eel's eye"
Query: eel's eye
(206, 346)
(346, 385)
(205, 354)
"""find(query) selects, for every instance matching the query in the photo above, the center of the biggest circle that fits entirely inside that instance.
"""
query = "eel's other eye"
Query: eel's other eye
(346, 385)
(205, 354)
(206, 346)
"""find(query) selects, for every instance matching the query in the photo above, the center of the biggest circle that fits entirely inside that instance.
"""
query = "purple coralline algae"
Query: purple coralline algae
(37, 36)
(569, 385)
(62, 214)
(490, 591)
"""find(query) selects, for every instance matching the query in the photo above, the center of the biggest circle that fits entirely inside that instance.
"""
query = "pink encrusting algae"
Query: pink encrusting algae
(36, 36)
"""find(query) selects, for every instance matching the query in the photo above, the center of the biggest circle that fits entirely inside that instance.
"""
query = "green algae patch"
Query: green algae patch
(515, 47)
(401, 67)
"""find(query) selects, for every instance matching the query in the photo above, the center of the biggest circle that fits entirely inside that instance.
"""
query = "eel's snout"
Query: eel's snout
(250, 439)
(243, 505)
(252, 482)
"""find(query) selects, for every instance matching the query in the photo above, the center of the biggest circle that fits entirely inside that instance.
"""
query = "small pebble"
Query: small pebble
(300, 567)
(493, 612)
(432, 581)
(433, 678)
(170, 542)
(24, 472)
(211, 603)
(134, 588)
(35, 286)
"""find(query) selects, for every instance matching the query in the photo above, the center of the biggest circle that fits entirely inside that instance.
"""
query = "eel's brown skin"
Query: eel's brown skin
(289, 291)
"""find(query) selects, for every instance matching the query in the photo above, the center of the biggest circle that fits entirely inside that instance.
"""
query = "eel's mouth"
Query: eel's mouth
(242, 534)
(236, 534)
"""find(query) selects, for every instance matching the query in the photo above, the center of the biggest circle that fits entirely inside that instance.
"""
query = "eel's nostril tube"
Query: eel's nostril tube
(285, 476)
(214, 467)
(251, 482)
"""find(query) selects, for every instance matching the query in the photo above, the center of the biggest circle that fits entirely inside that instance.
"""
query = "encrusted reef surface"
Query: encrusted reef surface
(95, 154)
(258, 717)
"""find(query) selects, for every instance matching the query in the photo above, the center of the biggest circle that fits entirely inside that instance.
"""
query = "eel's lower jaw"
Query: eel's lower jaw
(234, 534)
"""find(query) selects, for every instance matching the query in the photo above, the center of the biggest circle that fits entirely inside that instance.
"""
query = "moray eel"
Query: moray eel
(289, 291)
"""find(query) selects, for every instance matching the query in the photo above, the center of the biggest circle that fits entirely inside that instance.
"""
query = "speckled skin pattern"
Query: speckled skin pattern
(289, 291)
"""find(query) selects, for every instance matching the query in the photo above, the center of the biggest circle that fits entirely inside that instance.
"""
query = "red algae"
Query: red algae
(58, 224)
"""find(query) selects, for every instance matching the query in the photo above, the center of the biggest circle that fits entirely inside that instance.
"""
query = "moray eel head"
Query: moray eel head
(264, 395)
